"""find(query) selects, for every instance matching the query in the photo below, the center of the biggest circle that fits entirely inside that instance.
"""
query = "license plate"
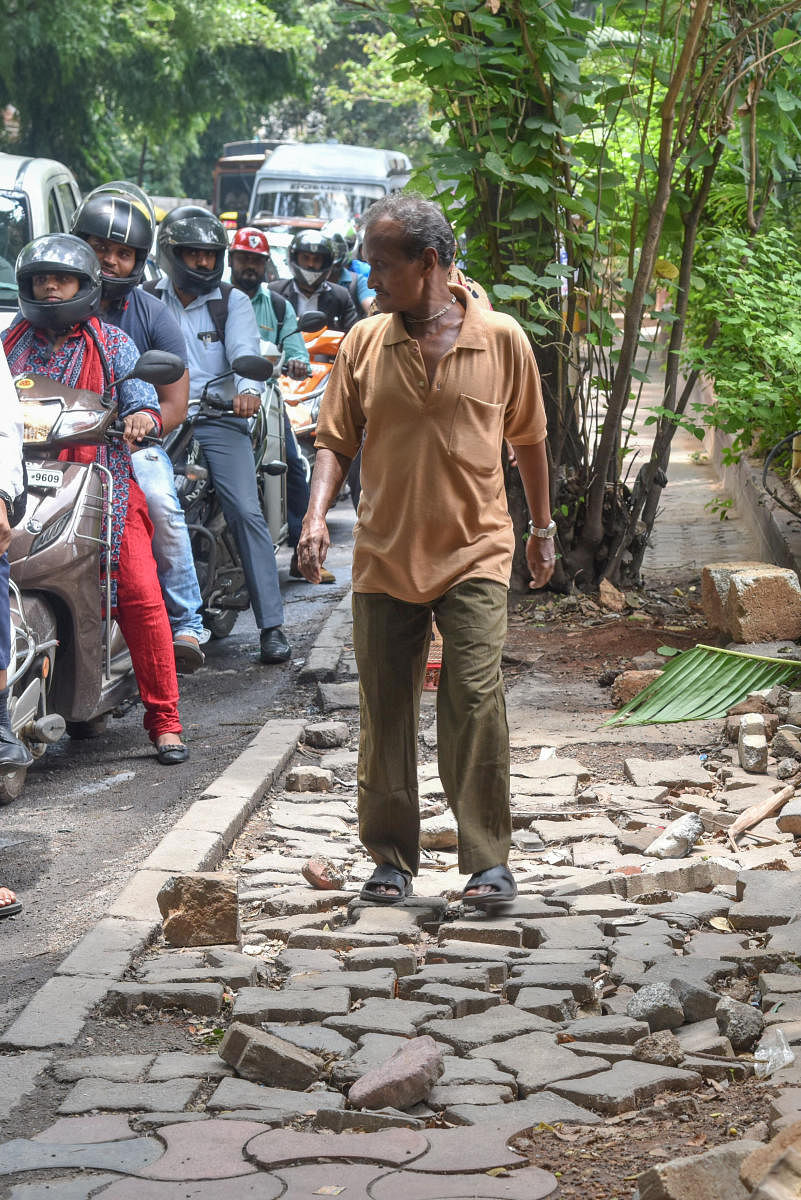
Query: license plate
(48, 479)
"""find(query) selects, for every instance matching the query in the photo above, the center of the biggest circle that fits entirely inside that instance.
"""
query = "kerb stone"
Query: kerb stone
(90, 1094)
(56, 1013)
(205, 999)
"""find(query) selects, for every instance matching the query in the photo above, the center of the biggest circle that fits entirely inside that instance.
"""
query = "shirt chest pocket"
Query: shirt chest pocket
(476, 434)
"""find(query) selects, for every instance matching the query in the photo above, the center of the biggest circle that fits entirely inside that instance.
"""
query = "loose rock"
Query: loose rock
(326, 735)
(200, 910)
(265, 1058)
(406, 1078)
(741, 1023)
(658, 1005)
(678, 838)
(662, 1048)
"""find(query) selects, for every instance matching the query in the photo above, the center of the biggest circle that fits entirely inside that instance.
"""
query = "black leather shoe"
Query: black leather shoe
(172, 755)
(274, 648)
(12, 751)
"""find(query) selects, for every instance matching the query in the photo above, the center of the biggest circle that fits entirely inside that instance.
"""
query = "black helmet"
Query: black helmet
(190, 227)
(118, 212)
(59, 254)
(313, 242)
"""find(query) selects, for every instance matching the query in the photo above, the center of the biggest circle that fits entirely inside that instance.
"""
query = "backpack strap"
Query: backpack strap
(279, 307)
(150, 286)
(218, 310)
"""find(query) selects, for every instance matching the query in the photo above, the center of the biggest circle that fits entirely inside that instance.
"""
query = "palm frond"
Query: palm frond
(703, 683)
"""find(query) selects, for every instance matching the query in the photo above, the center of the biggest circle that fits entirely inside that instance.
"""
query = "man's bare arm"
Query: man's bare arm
(330, 470)
(173, 402)
(532, 462)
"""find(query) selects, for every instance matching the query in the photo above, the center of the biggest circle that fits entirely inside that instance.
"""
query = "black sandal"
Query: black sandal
(386, 875)
(500, 879)
(172, 754)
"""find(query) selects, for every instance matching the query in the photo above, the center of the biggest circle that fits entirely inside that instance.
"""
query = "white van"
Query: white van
(310, 183)
(37, 196)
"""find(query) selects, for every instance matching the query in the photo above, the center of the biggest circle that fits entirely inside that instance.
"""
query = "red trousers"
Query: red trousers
(143, 620)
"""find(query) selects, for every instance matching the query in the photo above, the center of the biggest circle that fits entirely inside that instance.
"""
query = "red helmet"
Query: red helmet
(250, 241)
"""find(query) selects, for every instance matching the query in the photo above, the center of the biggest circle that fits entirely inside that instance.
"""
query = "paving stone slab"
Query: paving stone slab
(478, 976)
(177, 1064)
(617, 1029)
(684, 771)
(282, 928)
(343, 939)
(235, 979)
(460, 1152)
(121, 1068)
(401, 959)
(537, 1061)
(254, 1187)
(18, 1074)
(765, 899)
(479, 1095)
(267, 1058)
(498, 932)
(474, 952)
(404, 1018)
(108, 948)
(571, 933)
(257, 1005)
(713, 1175)
(240, 1094)
(546, 1107)
(480, 1032)
(90, 1094)
(146, 1122)
(573, 978)
(288, 1147)
(527, 1183)
(475, 1072)
(124, 1157)
(361, 984)
(612, 1051)
(626, 1086)
(463, 1002)
(204, 999)
(55, 1015)
(77, 1188)
(550, 1003)
(373, 1050)
(365, 1120)
(77, 1131)
(312, 1037)
(207, 1150)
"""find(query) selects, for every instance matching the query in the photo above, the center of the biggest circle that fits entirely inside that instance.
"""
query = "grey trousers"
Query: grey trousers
(226, 445)
(391, 641)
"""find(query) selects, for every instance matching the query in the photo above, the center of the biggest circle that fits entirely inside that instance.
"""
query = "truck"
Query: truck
(234, 173)
(306, 184)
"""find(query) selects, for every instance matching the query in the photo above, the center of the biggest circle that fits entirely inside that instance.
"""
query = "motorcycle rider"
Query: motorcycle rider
(248, 256)
(342, 235)
(58, 334)
(118, 222)
(311, 257)
(191, 246)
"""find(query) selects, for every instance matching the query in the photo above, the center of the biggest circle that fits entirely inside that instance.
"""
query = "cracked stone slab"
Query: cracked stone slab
(626, 1086)
(528, 1183)
(206, 1150)
(18, 1074)
(574, 978)
(537, 1061)
(684, 771)
(119, 1068)
(479, 1032)
(257, 1005)
(253, 1187)
(450, 1096)
(125, 1157)
(288, 1147)
(403, 1018)
(473, 1071)
(463, 1002)
(91, 1094)
(240, 1094)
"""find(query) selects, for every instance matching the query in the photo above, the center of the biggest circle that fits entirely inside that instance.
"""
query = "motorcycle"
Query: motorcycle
(69, 666)
(220, 574)
(302, 396)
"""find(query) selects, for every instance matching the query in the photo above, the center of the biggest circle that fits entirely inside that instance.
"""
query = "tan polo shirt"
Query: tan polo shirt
(433, 509)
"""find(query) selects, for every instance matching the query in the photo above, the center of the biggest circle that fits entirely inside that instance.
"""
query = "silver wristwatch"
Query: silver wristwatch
(547, 532)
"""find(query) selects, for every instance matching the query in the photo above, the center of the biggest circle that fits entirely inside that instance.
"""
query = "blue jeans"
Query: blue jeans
(229, 454)
(172, 549)
(297, 485)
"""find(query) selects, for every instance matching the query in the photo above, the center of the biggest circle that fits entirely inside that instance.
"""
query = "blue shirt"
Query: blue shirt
(148, 322)
(206, 355)
(363, 292)
(288, 337)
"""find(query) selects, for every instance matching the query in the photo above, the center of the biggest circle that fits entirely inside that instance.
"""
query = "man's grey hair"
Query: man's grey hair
(423, 223)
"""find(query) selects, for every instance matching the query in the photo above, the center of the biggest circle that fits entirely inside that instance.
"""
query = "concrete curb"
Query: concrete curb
(323, 660)
(198, 841)
(778, 533)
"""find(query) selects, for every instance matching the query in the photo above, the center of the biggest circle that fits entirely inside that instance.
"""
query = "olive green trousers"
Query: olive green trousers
(391, 641)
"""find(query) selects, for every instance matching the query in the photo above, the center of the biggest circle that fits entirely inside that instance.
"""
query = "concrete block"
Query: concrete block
(266, 1058)
(763, 603)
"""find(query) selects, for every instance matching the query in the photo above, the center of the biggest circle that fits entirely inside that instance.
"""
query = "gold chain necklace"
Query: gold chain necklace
(433, 317)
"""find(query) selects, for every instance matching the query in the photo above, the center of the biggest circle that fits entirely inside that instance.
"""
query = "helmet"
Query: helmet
(59, 254)
(118, 212)
(250, 241)
(190, 227)
(313, 242)
(342, 234)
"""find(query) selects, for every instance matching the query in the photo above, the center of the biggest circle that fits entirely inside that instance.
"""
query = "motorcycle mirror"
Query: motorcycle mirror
(252, 366)
(158, 367)
(312, 321)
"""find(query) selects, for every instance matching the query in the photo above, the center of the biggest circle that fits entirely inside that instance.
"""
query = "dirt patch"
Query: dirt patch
(602, 1162)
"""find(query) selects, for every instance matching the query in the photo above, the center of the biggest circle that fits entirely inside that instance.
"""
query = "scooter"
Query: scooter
(69, 667)
(220, 574)
(302, 396)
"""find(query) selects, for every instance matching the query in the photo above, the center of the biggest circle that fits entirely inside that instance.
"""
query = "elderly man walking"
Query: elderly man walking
(435, 383)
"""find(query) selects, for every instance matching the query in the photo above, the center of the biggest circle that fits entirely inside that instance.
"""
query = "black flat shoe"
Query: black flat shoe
(12, 751)
(171, 756)
(273, 646)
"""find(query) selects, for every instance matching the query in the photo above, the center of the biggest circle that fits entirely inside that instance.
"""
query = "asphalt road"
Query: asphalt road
(92, 811)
